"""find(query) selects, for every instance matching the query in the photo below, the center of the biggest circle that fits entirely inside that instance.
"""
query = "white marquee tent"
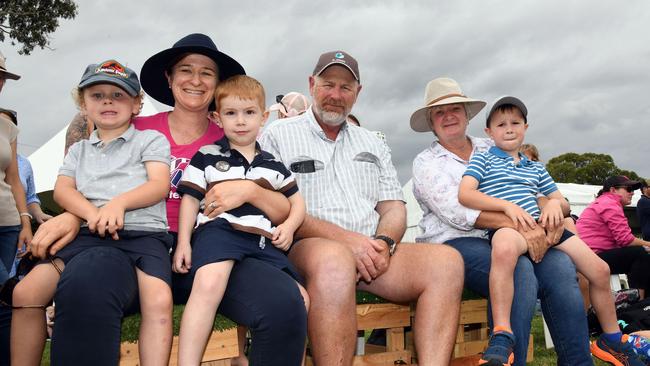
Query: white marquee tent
(579, 196)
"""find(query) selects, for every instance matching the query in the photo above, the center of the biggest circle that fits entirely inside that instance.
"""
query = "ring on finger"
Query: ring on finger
(213, 205)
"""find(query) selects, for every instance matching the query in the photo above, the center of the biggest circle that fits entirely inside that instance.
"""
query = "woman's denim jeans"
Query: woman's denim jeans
(553, 280)
(8, 241)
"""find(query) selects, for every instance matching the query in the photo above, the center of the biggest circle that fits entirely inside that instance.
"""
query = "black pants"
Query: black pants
(99, 286)
(633, 261)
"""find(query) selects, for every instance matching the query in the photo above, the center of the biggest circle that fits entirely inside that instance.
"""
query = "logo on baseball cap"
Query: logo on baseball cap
(342, 58)
(111, 72)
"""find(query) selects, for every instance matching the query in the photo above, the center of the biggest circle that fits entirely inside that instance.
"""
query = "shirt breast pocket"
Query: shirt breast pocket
(367, 171)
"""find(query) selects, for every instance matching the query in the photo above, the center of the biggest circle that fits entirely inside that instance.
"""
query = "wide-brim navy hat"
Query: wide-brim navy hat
(152, 75)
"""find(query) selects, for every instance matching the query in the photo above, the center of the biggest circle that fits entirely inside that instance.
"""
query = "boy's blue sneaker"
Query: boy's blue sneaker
(617, 353)
(641, 346)
(499, 349)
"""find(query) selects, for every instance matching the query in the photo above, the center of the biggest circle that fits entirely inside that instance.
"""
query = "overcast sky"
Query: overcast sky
(582, 67)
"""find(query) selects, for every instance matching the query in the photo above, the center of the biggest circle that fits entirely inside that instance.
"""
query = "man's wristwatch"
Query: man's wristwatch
(392, 246)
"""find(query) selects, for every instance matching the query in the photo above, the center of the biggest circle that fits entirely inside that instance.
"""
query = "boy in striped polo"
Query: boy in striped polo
(238, 233)
(504, 180)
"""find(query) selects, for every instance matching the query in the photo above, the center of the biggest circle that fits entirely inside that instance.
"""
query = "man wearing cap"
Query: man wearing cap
(356, 217)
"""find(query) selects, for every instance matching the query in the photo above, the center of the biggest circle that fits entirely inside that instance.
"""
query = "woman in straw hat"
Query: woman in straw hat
(437, 172)
(258, 295)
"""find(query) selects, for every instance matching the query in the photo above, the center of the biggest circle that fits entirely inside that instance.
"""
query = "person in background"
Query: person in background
(15, 221)
(605, 229)
(530, 151)
(27, 178)
(351, 118)
(643, 210)
(290, 105)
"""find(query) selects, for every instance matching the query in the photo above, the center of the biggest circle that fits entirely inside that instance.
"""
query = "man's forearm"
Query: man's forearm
(392, 220)
(316, 228)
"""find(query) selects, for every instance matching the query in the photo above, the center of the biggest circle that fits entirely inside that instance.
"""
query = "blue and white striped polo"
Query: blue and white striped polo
(217, 163)
(500, 177)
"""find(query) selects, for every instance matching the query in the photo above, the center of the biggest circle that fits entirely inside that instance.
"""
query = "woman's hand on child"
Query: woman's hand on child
(182, 261)
(282, 238)
(110, 218)
(519, 216)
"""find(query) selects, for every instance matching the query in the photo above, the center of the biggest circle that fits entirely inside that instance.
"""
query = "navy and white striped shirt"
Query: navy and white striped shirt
(217, 163)
(500, 177)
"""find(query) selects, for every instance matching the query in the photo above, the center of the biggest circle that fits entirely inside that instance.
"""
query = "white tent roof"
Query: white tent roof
(47, 159)
(579, 196)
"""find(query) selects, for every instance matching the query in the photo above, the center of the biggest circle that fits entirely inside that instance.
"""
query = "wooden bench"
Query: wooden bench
(221, 347)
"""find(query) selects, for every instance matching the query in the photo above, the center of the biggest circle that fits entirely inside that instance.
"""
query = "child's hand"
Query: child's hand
(282, 237)
(110, 217)
(182, 258)
(519, 216)
(552, 215)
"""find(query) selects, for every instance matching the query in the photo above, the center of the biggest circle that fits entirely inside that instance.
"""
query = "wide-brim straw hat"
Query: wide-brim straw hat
(3, 70)
(443, 91)
(152, 75)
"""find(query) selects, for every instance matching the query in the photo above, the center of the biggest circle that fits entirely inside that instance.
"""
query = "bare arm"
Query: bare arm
(186, 218)
(110, 217)
(13, 179)
(77, 130)
(535, 237)
(149, 193)
(232, 194)
(640, 242)
(470, 196)
(284, 233)
(71, 200)
(55, 234)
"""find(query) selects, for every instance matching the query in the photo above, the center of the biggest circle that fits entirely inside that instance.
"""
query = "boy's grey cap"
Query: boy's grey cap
(342, 58)
(111, 72)
(503, 100)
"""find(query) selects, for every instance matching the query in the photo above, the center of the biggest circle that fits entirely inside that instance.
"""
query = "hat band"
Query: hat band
(445, 97)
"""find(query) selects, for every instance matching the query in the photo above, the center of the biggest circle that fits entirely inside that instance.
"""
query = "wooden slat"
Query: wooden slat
(383, 359)
(473, 311)
(394, 339)
(221, 345)
(382, 316)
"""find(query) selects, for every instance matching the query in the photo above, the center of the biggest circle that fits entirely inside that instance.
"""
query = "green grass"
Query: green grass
(543, 356)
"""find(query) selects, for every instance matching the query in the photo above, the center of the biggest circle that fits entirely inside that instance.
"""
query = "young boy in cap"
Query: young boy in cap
(503, 179)
(116, 181)
(238, 233)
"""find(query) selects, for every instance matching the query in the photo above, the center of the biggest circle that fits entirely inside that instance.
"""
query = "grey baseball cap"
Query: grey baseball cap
(111, 72)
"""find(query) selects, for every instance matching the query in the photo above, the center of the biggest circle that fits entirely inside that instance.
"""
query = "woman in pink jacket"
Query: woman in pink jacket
(604, 227)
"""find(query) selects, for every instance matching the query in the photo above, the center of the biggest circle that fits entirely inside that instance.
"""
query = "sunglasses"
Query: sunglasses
(627, 188)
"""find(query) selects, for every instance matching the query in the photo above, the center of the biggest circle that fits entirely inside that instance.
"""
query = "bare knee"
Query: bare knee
(600, 273)
(331, 270)
(25, 293)
(305, 297)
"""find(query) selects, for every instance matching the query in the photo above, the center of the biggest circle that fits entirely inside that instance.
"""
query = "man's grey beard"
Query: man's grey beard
(330, 118)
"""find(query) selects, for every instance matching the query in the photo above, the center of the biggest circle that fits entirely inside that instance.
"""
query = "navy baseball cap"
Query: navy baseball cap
(111, 72)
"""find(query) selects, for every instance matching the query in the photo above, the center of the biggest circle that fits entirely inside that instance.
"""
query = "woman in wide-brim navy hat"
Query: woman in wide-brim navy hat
(258, 295)
(185, 76)
(157, 69)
